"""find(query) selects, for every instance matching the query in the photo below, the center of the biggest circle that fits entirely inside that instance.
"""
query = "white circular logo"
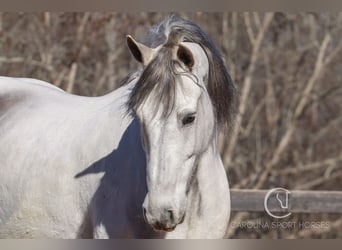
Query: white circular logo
(284, 203)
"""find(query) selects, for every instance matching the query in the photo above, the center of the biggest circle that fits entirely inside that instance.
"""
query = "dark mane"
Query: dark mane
(160, 74)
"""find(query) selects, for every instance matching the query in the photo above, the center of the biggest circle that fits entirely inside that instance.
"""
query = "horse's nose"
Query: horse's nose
(167, 220)
(162, 214)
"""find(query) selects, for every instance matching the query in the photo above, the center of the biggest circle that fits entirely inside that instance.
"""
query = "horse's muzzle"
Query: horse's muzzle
(166, 221)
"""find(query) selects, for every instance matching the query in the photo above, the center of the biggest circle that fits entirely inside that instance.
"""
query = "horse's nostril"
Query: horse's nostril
(171, 215)
(144, 214)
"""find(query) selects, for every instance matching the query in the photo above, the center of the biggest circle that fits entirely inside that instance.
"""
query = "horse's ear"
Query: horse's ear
(185, 56)
(141, 53)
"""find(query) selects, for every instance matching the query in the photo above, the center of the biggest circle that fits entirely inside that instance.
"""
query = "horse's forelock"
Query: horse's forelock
(159, 78)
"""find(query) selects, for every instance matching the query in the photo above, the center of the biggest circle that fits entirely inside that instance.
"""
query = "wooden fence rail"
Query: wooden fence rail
(298, 201)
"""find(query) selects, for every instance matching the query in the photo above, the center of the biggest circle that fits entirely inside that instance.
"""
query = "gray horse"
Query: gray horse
(140, 162)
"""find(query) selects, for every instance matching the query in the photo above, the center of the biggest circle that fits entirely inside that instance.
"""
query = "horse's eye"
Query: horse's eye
(188, 119)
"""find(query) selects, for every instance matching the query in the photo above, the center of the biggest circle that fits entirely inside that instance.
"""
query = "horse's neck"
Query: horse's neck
(210, 200)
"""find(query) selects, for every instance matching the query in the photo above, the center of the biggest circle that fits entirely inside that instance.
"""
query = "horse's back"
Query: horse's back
(33, 81)
(13, 84)
(14, 91)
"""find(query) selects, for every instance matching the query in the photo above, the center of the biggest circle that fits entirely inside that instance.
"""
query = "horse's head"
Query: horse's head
(178, 115)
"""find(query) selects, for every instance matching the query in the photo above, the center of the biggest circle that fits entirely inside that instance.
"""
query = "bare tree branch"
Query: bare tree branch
(246, 88)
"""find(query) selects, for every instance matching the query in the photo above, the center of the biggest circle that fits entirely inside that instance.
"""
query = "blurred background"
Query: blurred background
(287, 69)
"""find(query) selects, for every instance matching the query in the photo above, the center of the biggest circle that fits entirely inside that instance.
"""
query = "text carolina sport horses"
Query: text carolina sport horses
(140, 162)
